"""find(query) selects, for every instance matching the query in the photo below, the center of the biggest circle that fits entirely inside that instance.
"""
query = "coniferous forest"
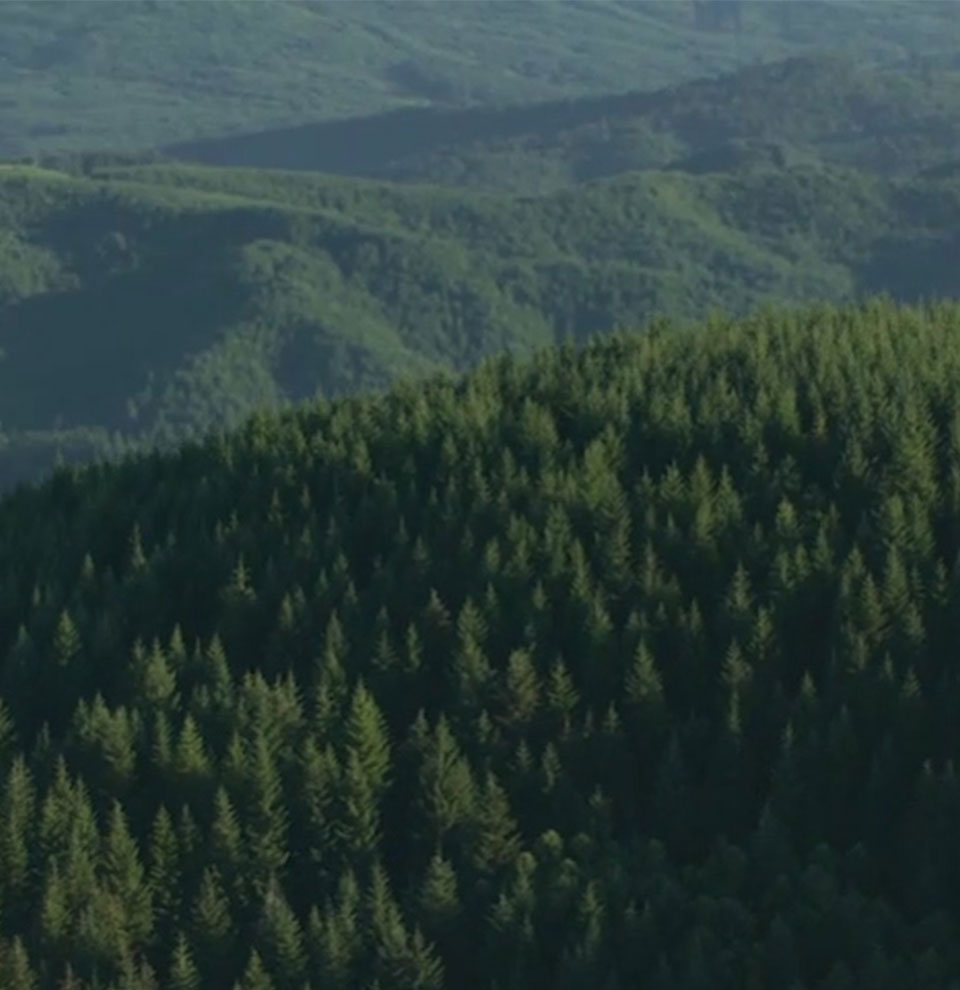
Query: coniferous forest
(479, 495)
(623, 666)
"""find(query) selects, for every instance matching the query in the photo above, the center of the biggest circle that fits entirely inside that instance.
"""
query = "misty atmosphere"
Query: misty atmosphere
(479, 495)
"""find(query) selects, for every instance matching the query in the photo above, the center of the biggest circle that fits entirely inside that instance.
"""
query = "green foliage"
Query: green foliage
(897, 120)
(728, 761)
(272, 287)
(228, 67)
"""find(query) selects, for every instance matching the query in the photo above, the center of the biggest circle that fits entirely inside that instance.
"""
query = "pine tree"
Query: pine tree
(66, 644)
(66, 817)
(521, 690)
(255, 976)
(643, 685)
(16, 972)
(438, 901)
(69, 980)
(366, 735)
(446, 790)
(56, 921)
(320, 776)
(282, 941)
(358, 825)
(164, 876)
(156, 680)
(191, 762)
(212, 926)
(265, 826)
(183, 974)
(494, 839)
(17, 811)
(471, 673)
(562, 697)
(226, 841)
(123, 876)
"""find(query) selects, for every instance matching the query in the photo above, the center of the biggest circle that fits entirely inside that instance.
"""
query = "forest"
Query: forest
(83, 76)
(479, 495)
(434, 236)
(623, 664)
(895, 120)
(439, 234)
(269, 287)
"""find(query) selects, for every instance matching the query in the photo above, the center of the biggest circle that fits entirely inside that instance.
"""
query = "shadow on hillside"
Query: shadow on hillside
(911, 270)
(95, 347)
(878, 120)
(368, 145)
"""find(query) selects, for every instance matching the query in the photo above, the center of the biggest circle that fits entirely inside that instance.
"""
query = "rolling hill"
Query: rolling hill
(893, 122)
(141, 73)
(145, 303)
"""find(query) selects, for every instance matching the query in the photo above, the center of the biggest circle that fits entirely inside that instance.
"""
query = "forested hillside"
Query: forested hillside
(145, 303)
(629, 666)
(888, 121)
(140, 73)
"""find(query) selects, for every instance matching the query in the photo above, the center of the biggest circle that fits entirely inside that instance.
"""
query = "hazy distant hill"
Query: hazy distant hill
(133, 74)
(891, 121)
(152, 301)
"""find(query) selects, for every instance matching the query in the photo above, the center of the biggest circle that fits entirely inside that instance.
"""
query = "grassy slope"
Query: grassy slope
(895, 122)
(133, 74)
(266, 287)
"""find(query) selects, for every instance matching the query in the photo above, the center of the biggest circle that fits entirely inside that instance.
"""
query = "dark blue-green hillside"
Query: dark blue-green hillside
(81, 74)
(889, 121)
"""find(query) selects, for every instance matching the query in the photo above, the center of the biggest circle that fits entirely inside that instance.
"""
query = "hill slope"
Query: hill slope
(634, 667)
(136, 74)
(895, 122)
(270, 287)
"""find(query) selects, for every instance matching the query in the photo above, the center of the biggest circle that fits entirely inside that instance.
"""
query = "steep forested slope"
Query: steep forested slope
(630, 667)
(144, 303)
(890, 121)
(147, 72)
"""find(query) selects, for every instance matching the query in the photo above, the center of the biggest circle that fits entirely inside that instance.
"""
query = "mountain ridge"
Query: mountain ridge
(77, 75)
(897, 122)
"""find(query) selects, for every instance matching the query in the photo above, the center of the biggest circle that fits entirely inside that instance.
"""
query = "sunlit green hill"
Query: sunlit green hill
(149, 302)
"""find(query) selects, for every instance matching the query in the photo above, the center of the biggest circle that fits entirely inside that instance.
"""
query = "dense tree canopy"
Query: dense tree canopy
(629, 666)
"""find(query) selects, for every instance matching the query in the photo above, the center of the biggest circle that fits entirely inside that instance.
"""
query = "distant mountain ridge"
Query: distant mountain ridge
(893, 122)
(85, 75)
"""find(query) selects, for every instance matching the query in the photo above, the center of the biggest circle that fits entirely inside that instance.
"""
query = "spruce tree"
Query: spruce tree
(182, 973)
(122, 875)
(282, 941)
(211, 928)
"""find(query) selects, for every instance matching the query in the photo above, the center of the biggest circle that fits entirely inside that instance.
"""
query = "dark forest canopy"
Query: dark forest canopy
(626, 666)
